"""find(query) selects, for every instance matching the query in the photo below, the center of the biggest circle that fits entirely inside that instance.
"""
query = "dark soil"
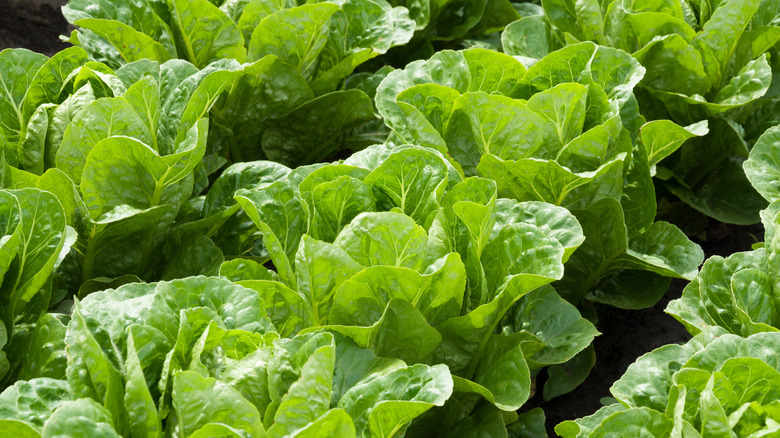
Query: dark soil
(34, 26)
(627, 334)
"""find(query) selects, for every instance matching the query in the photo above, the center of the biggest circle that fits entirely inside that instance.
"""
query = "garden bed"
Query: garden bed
(626, 334)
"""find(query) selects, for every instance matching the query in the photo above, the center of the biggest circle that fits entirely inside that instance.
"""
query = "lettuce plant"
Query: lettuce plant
(395, 250)
(123, 204)
(294, 59)
(198, 357)
(737, 293)
(122, 160)
(34, 239)
(715, 385)
(557, 132)
(323, 41)
(704, 61)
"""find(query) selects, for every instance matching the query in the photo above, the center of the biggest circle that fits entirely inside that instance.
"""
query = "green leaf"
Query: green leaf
(672, 53)
(144, 97)
(504, 372)
(288, 310)
(115, 243)
(411, 179)
(484, 123)
(529, 423)
(320, 269)
(757, 346)
(91, 372)
(747, 85)
(554, 221)
(530, 36)
(720, 36)
(42, 237)
(564, 378)
(189, 97)
(19, 67)
(19, 429)
(50, 80)
(710, 178)
(33, 402)
(438, 294)
(714, 421)
(310, 396)
(752, 380)
(557, 323)
(530, 179)
(268, 89)
(630, 26)
(197, 255)
(297, 36)
(384, 238)
(717, 296)
(509, 278)
(335, 203)
(762, 168)
(335, 422)
(244, 269)
(60, 118)
(384, 402)
(635, 422)
(141, 410)
(360, 30)
(131, 44)
(661, 138)
(99, 120)
(80, 419)
(607, 249)
(676, 257)
(647, 381)
(562, 66)
(45, 350)
(584, 426)
(581, 18)
(253, 175)
(455, 75)
(139, 177)
(204, 33)
(198, 401)
(265, 207)
(564, 107)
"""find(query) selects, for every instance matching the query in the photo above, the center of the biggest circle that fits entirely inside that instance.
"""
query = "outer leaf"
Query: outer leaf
(296, 35)
(19, 67)
(80, 419)
(45, 351)
(635, 422)
(384, 402)
(33, 401)
(205, 34)
(131, 44)
(763, 167)
(557, 323)
(662, 137)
